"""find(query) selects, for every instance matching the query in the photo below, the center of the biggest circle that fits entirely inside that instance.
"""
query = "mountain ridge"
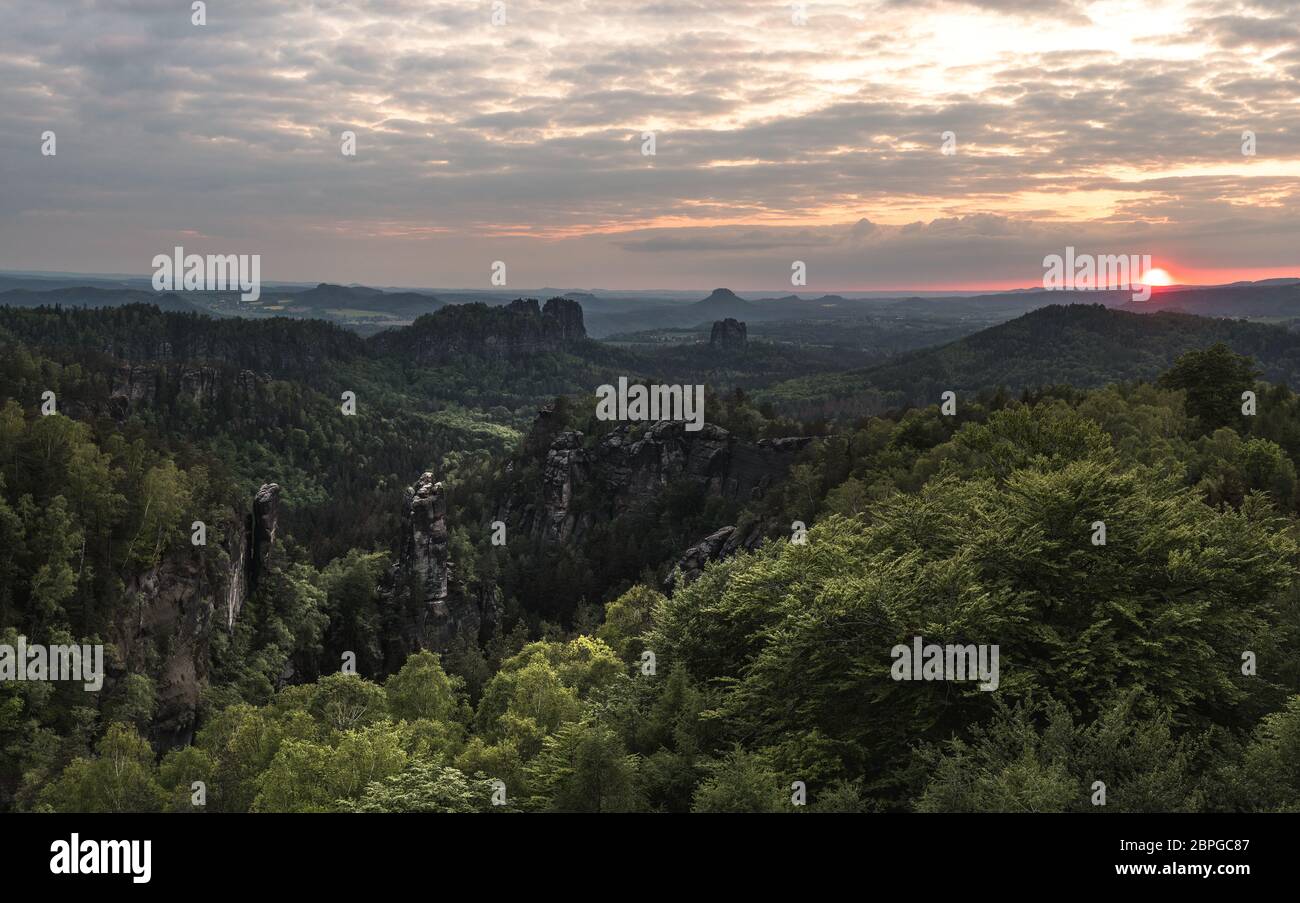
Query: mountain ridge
(1082, 345)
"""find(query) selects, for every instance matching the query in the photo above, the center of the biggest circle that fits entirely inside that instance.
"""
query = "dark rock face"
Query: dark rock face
(563, 318)
(567, 465)
(426, 555)
(714, 547)
(437, 609)
(176, 605)
(728, 335)
(518, 328)
(624, 470)
(137, 386)
(261, 532)
(174, 612)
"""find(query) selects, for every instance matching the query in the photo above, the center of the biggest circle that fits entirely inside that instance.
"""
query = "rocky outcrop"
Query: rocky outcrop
(199, 383)
(714, 547)
(428, 607)
(728, 335)
(136, 386)
(518, 328)
(567, 465)
(562, 319)
(169, 628)
(262, 524)
(173, 612)
(628, 467)
(425, 556)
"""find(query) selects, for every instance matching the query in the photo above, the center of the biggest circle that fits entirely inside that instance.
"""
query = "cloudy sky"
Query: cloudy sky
(781, 134)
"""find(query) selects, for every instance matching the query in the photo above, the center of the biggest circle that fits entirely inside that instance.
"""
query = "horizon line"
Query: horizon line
(768, 292)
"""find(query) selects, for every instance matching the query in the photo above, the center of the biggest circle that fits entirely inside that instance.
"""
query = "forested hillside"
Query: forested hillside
(1084, 345)
(654, 631)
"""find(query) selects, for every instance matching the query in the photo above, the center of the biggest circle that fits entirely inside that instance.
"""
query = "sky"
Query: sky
(515, 132)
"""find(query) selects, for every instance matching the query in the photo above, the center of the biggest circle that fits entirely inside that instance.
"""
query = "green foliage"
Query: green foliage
(120, 777)
(742, 782)
(1081, 345)
(1119, 662)
(798, 637)
(1017, 763)
(1268, 776)
(626, 619)
(583, 767)
(1214, 379)
(421, 689)
(424, 787)
(342, 702)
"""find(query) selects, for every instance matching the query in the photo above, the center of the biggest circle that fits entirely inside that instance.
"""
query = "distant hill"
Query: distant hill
(1004, 304)
(91, 296)
(328, 297)
(1084, 345)
(724, 303)
(42, 282)
(720, 304)
(143, 334)
(1270, 299)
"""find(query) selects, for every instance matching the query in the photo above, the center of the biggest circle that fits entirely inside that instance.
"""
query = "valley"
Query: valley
(477, 527)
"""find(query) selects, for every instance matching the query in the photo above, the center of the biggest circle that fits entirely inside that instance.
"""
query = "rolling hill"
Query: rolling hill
(92, 296)
(1277, 299)
(326, 297)
(1083, 345)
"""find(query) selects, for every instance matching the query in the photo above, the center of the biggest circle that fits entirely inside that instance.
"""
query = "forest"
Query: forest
(1160, 662)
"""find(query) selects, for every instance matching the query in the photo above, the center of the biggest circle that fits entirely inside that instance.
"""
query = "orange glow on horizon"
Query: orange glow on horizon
(1187, 277)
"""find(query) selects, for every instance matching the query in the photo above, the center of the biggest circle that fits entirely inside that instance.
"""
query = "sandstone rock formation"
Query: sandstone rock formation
(173, 612)
(429, 607)
(628, 467)
(262, 524)
(136, 386)
(720, 544)
(425, 555)
(520, 327)
(728, 335)
(175, 607)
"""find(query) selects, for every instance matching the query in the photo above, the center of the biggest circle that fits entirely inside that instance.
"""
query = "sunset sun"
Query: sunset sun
(1158, 277)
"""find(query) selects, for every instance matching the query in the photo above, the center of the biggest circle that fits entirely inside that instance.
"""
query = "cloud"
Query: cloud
(771, 136)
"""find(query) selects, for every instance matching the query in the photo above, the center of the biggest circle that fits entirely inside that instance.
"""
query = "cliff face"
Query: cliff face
(425, 555)
(716, 546)
(728, 335)
(145, 385)
(428, 608)
(561, 319)
(176, 605)
(260, 532)
(623, 470)
(518, 328)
